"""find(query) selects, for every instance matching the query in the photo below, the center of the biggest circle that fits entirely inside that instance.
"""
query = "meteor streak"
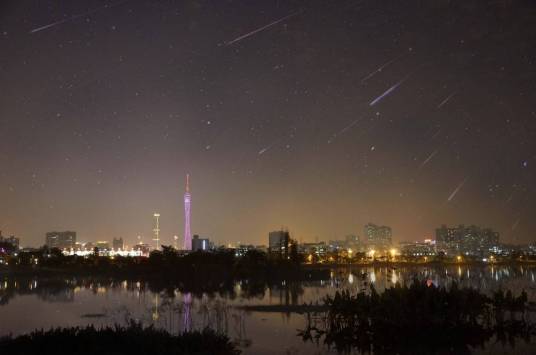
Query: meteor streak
(342, 131)
(458, 188)
(380, 68)
(264, 150)
(388, 91)
(446, 100)
(516, 223)
(74, 17)
(237, 39)
(267, 148)
(435, 134)
(428, 159)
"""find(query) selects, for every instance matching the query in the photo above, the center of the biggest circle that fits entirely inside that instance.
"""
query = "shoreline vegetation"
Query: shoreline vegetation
(420, 318)
(200, 272)
(274, 270)
(253, 264)
(197, 269)
(133, 339)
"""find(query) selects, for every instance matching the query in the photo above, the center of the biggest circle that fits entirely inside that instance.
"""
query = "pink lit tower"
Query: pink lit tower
(187, 200)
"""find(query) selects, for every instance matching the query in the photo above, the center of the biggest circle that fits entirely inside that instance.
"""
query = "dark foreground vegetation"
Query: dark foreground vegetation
(420, 319)
(131, 340)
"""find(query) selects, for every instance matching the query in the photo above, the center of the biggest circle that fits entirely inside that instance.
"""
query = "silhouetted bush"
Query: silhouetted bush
(420, 318)
(131, 340)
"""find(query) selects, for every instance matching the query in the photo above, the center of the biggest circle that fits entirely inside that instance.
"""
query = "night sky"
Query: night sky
(318, 116)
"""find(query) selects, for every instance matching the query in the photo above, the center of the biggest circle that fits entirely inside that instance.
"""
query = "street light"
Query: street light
(371, 253)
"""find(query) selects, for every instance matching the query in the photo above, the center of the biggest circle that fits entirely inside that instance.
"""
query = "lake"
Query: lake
(30, 303)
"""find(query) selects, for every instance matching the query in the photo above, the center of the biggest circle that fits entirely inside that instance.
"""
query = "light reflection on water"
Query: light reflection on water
(27, 304)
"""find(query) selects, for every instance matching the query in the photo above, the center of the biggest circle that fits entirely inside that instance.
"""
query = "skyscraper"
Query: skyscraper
(156, 230)
(278, 243)
(61, 240)
(378, 237)
(187, 200)
(118, 244)
(471, 240)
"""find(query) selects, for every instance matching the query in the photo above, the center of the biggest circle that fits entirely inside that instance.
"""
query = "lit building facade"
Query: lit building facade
(14, 241)
(418, 249)
(378, 237)
(118, 244)
(319, 249)
(278, 242)
(61, 240)
(103, 245)
(471, 240)
(200, 244)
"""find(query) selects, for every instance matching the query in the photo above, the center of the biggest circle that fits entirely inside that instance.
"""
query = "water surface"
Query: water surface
(33, 303)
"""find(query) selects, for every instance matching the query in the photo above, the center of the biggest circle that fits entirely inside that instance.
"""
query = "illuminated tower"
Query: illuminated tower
(187, 200)
(156, 230)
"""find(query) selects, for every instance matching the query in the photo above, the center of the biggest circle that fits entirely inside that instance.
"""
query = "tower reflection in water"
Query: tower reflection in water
(187, 309)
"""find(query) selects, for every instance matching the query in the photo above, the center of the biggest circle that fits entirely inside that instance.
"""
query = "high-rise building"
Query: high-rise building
(471, 240)
(118, 244)
(61, 240)
(187, 201)
(200, 244)
(156, 230)
(14, 241)
(378, 237)
(278, 242)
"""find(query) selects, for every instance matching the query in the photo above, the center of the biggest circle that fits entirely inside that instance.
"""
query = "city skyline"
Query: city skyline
(363, 237)
(168, 239)
(260, 240)
(318, 117)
